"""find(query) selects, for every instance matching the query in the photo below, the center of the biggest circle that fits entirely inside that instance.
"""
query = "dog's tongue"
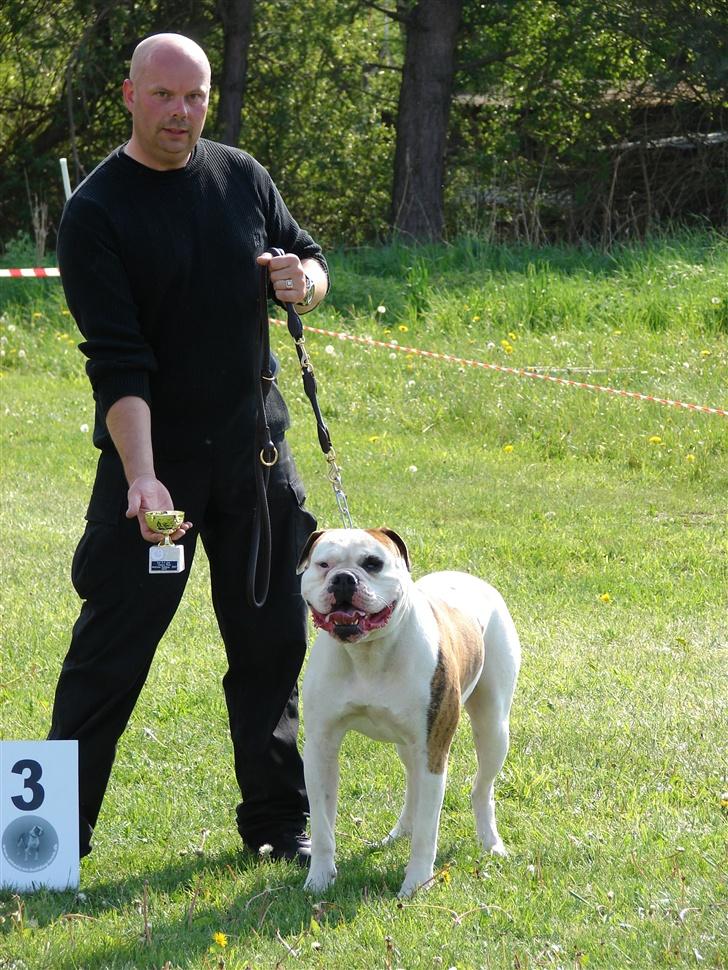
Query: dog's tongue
(347, 623)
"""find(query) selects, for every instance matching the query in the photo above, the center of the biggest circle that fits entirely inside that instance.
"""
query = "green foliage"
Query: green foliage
(543, 93)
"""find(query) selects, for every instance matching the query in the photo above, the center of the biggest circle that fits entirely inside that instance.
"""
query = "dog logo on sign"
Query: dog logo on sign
(30, 843)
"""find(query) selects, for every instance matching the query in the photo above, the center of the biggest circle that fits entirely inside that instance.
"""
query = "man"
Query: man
(160, 250)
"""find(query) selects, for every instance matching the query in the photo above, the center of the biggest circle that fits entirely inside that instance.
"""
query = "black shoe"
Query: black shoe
(291, 847)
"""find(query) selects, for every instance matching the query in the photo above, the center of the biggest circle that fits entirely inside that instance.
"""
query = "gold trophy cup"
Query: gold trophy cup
(166, 557)
(166, 522)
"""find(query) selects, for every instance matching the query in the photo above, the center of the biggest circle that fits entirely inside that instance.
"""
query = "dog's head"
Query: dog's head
(353, 580)
(36, 832)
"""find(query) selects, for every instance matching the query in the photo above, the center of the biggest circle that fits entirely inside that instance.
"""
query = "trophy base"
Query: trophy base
(166, 559)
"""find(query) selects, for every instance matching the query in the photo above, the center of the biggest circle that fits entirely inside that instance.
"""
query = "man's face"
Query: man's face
(168, 101)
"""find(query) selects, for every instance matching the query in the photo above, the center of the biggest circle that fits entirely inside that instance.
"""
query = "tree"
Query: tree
(237, 21)
(431, 28)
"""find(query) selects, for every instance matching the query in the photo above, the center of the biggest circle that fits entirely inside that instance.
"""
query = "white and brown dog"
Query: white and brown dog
(396, 660)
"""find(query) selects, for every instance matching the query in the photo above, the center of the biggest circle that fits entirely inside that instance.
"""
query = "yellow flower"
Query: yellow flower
(374, 439)
(403, 328)
(37, 316)
(506, 346)
(605, 598)
(508, 449)
(655, 439)
(705, 353)
(512, 335)
(690, 458)
(476, 319)
(220, 939)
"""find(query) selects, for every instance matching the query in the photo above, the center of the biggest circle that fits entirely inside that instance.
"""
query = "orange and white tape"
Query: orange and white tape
(515, 371)
(37, 272)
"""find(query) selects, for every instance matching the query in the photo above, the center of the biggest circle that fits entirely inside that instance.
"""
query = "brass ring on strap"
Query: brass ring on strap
(268, 464)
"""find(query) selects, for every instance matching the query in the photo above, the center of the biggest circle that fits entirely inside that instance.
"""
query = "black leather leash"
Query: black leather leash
(266, 453)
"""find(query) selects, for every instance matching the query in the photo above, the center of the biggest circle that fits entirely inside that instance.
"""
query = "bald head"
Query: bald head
(167, 93)
(162, 47)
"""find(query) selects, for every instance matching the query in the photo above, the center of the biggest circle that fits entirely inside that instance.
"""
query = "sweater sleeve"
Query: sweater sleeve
(99, 297)
(283, 230)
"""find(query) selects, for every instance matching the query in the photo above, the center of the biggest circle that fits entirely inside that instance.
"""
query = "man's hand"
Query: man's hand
(148, 494)
(288, 275)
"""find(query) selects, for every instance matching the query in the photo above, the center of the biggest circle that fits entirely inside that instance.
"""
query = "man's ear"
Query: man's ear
(127, 90)
(305, 557)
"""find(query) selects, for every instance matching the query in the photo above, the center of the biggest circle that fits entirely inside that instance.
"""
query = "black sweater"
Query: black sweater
(159, 273)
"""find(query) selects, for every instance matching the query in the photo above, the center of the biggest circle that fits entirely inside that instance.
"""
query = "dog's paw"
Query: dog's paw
(414, 882)
(319, 879)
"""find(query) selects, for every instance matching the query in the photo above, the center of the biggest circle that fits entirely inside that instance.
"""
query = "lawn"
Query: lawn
(602, 520)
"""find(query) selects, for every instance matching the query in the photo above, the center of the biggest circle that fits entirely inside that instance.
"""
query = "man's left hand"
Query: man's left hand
(286, 275)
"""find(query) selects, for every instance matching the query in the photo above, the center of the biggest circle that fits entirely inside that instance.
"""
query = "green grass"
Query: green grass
(608, 544)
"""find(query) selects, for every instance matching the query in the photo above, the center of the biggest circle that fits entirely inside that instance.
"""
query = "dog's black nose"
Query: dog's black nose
(343, 585)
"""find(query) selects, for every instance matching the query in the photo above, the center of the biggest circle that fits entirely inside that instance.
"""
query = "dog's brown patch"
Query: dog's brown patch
(460, 657)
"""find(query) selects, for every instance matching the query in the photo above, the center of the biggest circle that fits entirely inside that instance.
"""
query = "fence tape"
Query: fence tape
(514, 371)
(40, 272)
(37, 272)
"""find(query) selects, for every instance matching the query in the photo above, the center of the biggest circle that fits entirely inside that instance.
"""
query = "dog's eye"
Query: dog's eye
(322, 565)
(372, 564)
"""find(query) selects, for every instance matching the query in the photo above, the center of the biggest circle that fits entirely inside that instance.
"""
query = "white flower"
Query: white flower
(21, 353)
(329, 349)
(84, 428)
(12, 328)
(412, 468)
(381, 309)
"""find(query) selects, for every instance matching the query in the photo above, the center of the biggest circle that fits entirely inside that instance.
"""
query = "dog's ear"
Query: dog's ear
(305, 556)
(400, 544)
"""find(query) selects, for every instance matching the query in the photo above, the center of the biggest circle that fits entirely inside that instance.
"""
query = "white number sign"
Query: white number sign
(38, 814)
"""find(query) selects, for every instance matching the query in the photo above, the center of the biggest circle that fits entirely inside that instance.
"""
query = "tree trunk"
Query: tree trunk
(237, 21)
(422, 119)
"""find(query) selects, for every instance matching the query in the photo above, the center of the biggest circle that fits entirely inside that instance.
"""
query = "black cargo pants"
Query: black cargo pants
(126, 611)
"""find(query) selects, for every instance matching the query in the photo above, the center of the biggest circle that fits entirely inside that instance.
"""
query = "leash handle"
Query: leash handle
(265, 456)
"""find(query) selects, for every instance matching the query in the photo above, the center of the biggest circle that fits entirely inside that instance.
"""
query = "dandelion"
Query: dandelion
(373, 439)
(381, 309)
(65, 313)
(412, 469)
(705, 353)
(724, 800)
(84, 428)
(220, 938)
(403, 328)
(655, 439)
(715, 300)
(690, 458)
(506, 346)
(476, 319)
(329, 349)
(37, 316)
(605, 598)
(12, 328)
(21, 353)
(508, 449)
(513, 336)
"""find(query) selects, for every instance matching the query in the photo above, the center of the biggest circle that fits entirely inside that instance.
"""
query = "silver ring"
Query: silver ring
(289, 284)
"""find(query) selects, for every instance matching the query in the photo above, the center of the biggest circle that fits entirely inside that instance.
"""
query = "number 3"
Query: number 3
(31, 783)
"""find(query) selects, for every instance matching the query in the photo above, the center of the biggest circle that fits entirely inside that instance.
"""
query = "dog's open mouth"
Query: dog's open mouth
(346, 623)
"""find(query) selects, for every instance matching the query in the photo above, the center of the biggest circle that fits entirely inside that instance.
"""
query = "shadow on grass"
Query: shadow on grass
(269, 904)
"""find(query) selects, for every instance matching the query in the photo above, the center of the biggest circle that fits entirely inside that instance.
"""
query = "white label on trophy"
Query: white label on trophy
(38, 815)
(167, 559)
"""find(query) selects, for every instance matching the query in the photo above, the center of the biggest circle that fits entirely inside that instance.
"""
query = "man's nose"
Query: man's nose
(179, 107)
